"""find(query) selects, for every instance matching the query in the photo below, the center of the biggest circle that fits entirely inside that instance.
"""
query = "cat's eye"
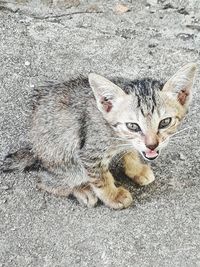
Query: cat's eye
(164, 123)
(134, 127)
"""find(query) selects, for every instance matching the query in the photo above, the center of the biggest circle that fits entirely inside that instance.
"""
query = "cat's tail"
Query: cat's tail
(21, 160)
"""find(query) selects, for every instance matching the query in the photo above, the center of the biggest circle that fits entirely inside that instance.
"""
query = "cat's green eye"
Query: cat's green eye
(164, 123)
(134, 127)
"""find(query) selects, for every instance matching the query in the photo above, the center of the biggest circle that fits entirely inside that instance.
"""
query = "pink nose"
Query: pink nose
(152, 146)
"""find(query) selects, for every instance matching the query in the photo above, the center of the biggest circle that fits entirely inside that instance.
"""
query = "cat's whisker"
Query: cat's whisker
(121, 139)
(122, 145)
(120, 158)
(125, 146)
(114, 137)
(175, 140)
(180, 137)
(181, 131)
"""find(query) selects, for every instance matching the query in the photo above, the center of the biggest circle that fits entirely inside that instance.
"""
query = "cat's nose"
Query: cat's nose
(152, 146)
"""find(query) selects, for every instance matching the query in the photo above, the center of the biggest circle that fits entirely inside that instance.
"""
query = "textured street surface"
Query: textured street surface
(53, 40)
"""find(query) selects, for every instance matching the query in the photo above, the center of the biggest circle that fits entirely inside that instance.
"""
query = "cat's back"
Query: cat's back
(56, 117)
(64, 95)
(57, 108)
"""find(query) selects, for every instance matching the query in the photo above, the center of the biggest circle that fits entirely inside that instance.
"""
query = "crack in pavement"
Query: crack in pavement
(48, 16)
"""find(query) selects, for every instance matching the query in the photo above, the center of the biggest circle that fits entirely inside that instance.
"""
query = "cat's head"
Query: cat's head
(145, 113)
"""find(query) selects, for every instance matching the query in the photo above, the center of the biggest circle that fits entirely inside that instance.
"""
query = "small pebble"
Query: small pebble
(27, 63)
(182, 156)
(121, 8)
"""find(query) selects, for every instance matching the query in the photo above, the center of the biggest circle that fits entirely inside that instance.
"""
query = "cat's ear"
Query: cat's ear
(181, 83)
(107, 94)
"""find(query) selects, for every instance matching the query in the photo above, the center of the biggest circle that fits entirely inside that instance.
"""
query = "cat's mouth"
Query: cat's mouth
(150, 155)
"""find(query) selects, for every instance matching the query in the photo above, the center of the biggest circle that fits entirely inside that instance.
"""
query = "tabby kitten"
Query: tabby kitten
(79, 127)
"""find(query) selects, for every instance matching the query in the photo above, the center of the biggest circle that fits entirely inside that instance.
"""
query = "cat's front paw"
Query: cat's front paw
(122, 199)
(112, 196)
(146, 177)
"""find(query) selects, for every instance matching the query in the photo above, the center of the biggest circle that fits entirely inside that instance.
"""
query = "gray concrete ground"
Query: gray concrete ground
(54, 40)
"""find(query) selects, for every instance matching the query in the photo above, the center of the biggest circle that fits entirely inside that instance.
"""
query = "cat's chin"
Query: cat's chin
(150, 156)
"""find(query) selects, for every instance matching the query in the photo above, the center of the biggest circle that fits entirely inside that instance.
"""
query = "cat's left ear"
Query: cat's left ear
(181, 83)
(108, 95)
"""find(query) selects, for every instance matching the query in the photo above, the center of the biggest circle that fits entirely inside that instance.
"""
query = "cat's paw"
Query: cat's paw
(85, 196)
(119, 199)
(146, 177)
(112, 196)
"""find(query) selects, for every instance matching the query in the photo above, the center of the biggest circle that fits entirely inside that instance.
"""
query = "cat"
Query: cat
(79, 127)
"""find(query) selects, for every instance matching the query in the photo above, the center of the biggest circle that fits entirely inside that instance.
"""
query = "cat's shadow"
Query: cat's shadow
(143, 194)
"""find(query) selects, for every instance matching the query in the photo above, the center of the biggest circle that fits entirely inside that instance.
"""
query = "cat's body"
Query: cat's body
(76, 133)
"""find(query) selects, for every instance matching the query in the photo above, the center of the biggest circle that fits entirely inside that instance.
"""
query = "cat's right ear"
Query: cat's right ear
(180, 85)
(108, 95)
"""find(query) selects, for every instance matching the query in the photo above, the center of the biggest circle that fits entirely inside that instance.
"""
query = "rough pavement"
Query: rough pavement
(54, 40)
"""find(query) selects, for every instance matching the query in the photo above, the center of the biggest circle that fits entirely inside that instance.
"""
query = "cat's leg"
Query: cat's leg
(60, 182)
(112, 196)
(83, 193)
(140, 173)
